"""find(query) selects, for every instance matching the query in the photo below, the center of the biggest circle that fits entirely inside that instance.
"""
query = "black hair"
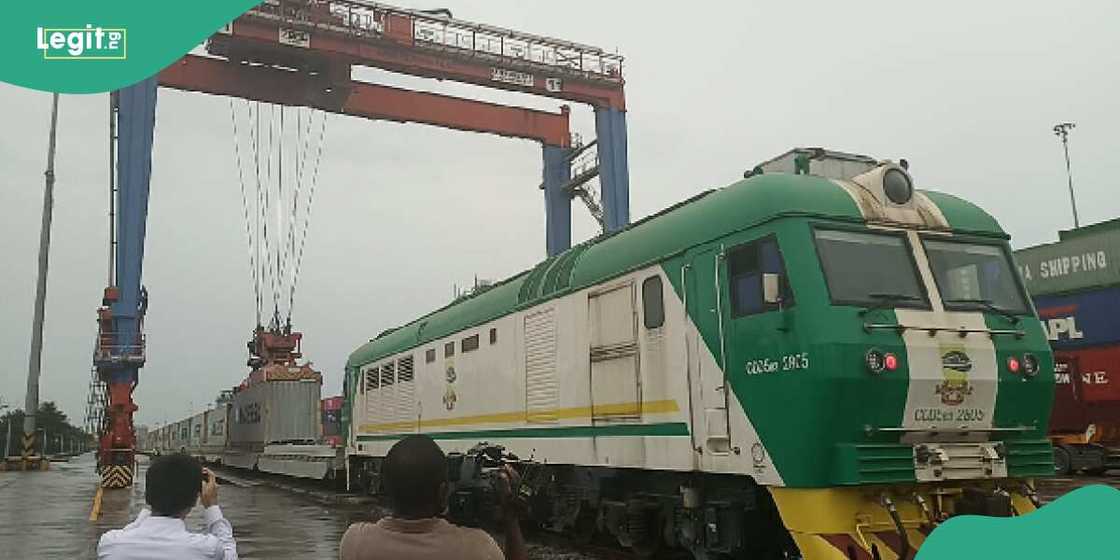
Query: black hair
(415, 469)
(173, 483)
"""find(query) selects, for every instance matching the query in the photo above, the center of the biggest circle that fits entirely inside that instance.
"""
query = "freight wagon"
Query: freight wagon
(278, 407)
(271, 423)
(818, 361)
(1075, 284)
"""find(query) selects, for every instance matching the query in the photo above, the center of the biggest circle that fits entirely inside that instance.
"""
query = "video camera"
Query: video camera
(475, 499)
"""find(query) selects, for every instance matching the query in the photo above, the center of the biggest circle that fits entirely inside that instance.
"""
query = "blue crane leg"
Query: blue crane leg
(557, 200)
(136, 125)
(614, 170)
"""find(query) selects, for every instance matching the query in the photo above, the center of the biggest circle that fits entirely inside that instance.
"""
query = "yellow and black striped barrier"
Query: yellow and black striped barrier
(28, 460)
(28, 445)
(116, 476)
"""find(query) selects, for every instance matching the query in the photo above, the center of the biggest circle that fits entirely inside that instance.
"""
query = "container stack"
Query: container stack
(1075, 285)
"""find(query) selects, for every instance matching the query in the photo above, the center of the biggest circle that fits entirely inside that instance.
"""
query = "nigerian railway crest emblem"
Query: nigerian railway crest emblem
(449, 396)
(955, 367)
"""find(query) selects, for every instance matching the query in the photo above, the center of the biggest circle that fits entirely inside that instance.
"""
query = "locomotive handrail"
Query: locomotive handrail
(961, 430)
(962, 331)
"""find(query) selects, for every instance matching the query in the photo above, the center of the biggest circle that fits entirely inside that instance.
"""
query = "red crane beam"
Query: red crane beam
(256, 33)
(361, 99)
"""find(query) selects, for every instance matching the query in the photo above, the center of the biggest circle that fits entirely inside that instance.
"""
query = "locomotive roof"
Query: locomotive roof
(705, 217)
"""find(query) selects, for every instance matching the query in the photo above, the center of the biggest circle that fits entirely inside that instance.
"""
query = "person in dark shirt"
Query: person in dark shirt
(415, 472)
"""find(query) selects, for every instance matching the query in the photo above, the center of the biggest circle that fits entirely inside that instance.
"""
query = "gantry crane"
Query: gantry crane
(301, 53)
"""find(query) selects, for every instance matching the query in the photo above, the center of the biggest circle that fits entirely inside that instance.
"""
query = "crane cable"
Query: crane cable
(307, 213)
(276, 256)
(267, 190)
(245, 210)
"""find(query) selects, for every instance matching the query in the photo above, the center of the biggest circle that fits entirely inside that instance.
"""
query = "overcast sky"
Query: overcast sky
(967, 91)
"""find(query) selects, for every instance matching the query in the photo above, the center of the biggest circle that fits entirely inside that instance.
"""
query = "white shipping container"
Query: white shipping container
(197, 436)
(270, 412)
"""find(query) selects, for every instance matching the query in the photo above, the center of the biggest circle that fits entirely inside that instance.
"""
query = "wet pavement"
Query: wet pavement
(46, 515)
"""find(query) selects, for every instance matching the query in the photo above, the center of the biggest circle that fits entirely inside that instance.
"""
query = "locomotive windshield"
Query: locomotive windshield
(869, 269)
(971, 276)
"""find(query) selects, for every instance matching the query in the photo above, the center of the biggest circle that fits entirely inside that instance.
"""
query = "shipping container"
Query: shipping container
(197, 437)
(1083, 258)
(332, 421)
(180, 436)
(216, 419)
(275, 411)
(1085, 421)
(1084, 319)
(1094, 374)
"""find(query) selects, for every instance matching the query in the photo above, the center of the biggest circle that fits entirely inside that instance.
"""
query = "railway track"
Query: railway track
(1050, 489)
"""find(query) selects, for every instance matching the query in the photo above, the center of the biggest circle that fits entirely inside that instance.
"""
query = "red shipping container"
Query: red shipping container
(332, 403)
(1088, 392)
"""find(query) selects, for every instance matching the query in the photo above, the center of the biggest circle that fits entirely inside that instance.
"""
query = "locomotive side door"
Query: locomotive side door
(615, 389)
(706, 308)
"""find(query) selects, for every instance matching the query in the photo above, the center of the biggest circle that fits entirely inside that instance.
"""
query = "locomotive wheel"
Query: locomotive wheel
(584, 529)
(1062, 461)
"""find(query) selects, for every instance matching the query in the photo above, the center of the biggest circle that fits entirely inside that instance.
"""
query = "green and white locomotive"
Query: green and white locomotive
(818, 360)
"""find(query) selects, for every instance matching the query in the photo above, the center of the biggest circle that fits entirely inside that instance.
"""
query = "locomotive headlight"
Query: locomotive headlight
(878, 361)
(1030, 365)
(897, 186)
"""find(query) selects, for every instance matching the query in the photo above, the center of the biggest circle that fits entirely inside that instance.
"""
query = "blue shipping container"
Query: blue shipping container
(1081, 320)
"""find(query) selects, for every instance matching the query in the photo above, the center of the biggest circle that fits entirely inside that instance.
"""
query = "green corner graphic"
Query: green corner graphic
(1077, 525)
(152, 35)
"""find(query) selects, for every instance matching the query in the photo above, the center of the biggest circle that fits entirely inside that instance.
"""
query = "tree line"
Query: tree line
(51, 423)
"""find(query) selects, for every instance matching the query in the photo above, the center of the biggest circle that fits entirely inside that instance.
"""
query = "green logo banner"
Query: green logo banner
(93, 46)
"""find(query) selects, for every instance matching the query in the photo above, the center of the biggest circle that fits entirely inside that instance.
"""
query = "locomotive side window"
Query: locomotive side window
(745, 266)
(653, 303)
(470, 343)
(430, 356)
(448, 349)
(493, 336)
(869, 269)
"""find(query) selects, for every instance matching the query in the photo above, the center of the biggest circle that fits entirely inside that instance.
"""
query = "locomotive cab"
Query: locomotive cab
(912, 366)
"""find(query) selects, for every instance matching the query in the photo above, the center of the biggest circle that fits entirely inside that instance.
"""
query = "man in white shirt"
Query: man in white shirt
(174, 483)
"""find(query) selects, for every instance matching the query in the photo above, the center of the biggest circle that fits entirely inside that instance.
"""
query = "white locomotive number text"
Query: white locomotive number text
(949, 415)
(789, 362)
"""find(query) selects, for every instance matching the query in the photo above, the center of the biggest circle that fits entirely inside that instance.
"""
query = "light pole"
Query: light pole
(1061, 130)
(8, 439)
(31, 401)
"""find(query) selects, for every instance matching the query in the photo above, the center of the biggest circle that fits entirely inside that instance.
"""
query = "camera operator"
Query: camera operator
(415, 472)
